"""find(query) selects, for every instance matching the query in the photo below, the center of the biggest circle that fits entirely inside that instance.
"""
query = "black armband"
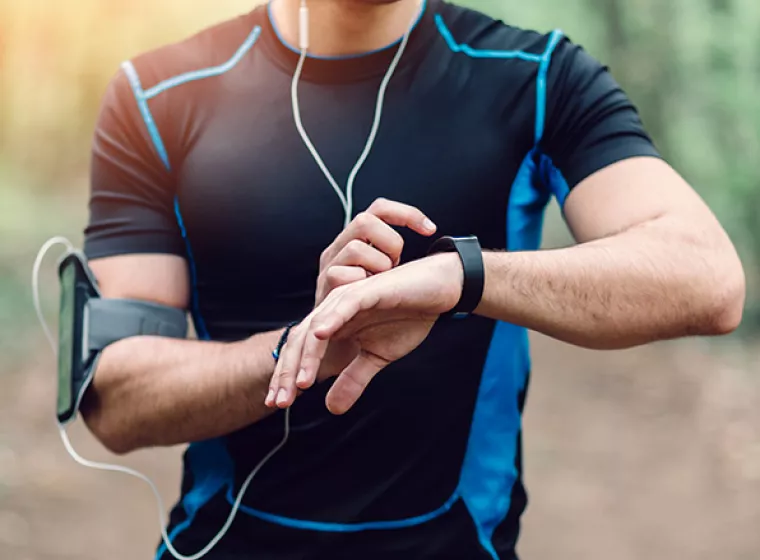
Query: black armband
(88, 324)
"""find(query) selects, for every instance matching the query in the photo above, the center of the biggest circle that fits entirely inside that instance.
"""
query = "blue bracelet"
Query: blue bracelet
(283, 340)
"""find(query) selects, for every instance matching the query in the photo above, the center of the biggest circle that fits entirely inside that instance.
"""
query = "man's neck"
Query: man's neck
(344, 27)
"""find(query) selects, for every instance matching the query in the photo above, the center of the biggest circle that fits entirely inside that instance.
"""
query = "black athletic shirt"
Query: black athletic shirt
(196, 154)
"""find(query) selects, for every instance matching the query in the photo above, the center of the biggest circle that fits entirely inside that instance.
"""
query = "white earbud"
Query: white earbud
(303, 27)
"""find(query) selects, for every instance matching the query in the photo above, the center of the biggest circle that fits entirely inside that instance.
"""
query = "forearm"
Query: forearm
(646, 284)
(150, 391)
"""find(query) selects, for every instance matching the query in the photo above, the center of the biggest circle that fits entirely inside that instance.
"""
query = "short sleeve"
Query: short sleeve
(590, 121)
(131, 190)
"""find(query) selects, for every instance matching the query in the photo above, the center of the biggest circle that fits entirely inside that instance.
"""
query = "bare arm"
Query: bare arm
(652, 263)
(151, 391)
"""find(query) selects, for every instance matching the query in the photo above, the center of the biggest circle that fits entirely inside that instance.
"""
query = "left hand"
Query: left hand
(385, 317)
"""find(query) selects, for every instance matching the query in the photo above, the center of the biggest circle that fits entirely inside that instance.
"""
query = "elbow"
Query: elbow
(114, 440)
(107, 429)
(726, 300)
(727, 316)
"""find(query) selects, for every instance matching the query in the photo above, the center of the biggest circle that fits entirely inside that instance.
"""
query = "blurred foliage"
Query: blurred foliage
(691, 67)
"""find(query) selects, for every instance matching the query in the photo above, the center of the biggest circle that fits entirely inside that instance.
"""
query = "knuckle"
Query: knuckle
(324, 257)
(387, 263)
(332, 277)
(379, 203)
(355, 247)
(397, 244)
(362, 221)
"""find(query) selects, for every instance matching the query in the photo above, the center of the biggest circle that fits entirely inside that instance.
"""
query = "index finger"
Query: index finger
(402, 215)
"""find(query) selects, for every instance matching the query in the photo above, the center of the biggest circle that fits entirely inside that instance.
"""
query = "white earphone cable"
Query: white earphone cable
(347, 203)
(49, 244)
(126, 470)
(347, 199)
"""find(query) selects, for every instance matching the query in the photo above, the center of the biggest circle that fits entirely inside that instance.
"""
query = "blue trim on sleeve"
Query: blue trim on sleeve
(541, 82)
(346, 527)
(142, 97)
(478, 53)
(206, 72)
(142, 104)
(158, 143)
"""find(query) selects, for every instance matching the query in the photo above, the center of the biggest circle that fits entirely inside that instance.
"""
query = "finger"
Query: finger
(373, 226)
(358, 253)
(335, 277)
(274, 385)
(287, 370)
(352, 382)
(331, 319)
(403, 215)
(371, 230)
(338, 275)
(314, 348)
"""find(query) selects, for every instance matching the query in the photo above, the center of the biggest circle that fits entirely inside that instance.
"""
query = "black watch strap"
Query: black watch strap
(471, 254)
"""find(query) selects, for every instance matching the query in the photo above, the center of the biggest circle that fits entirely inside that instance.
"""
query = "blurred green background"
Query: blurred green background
(649, 453)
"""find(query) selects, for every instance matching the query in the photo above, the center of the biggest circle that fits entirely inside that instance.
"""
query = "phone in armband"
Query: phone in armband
(78, 286)
(89, 323)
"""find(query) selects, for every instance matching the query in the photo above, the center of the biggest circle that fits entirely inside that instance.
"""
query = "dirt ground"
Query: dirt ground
(646, 454)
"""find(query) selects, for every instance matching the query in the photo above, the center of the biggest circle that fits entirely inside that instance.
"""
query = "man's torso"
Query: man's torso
(427, 465)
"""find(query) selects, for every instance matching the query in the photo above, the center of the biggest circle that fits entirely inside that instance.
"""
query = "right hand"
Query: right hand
(369, 245)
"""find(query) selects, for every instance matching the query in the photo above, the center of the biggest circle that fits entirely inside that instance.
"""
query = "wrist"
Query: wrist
(254, 369)
(256, 351)
(470, 272)
(448, 268)
(283, 340)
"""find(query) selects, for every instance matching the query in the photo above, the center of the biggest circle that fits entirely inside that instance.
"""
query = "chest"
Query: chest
(259, 211)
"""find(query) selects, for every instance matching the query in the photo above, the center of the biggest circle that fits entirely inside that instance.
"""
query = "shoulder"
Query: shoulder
(212, 47)
(478, 35)
(129, 110)
(482, 33)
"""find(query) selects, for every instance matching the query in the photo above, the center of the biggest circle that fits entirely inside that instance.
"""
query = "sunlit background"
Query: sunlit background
(652, 453)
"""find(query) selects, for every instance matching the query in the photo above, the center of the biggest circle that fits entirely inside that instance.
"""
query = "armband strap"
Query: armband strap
(88, 324)
(109, 320)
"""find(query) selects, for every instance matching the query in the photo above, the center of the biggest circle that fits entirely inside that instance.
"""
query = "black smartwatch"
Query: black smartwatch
(471, 255)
